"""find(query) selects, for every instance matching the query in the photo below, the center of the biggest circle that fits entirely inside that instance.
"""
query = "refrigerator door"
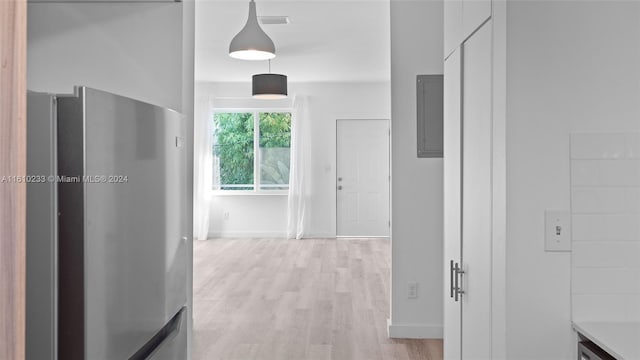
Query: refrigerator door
(42, 239)
(125, 220)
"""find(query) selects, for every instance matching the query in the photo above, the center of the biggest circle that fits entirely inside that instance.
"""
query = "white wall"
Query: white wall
(249, 216)
(417, 189)
(265, 215)
(132, 49)
(572, 67)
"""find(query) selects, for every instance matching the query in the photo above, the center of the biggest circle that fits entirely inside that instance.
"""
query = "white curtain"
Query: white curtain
(203, 167)
(296, 209)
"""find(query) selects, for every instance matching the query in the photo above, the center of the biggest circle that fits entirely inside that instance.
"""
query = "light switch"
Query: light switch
(557, 232)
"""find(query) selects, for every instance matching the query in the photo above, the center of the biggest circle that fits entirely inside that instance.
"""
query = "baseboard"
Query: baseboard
(414, 331)
(247, 234)
(263, 234)
(319, 236)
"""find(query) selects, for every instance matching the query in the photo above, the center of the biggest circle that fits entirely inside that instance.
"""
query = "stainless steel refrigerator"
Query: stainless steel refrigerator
(106, 230)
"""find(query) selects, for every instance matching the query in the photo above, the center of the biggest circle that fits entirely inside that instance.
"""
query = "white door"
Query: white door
(362, 178)
(476, 195)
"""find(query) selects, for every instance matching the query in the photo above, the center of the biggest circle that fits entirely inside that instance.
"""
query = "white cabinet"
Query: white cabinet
(461, 19)
(468, 198)
(452, 198)
(476, 195)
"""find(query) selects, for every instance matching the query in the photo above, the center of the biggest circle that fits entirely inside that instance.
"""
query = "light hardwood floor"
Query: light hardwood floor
(296, 299)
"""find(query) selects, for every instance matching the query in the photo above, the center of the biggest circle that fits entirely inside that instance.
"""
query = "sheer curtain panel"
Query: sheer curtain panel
(203, 166)
(297, 209)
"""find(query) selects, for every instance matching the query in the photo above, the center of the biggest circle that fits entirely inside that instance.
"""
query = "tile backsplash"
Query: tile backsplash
(597, 146)
(605, 207)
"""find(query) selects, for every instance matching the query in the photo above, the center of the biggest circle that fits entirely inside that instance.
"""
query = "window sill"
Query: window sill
(248, 193)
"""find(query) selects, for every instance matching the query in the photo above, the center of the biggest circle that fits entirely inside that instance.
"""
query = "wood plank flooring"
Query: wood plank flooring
(274, 299)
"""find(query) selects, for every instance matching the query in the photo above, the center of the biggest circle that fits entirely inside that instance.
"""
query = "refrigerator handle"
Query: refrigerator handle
(161, 337)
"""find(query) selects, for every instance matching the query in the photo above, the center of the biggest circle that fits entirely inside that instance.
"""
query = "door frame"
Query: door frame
(13, 162)
(335, 178)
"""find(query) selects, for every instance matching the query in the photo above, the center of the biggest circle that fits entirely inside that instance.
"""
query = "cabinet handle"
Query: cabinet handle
(458, 283)
(451, 275)
(455, 269)
(458, 288)
(455, 289)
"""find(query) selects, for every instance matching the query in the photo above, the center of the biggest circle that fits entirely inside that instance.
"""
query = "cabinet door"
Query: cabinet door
(474, 13)
(476, 195)
(452, 205)
(452, 25)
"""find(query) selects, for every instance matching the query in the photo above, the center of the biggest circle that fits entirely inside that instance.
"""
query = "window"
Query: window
(251, 150)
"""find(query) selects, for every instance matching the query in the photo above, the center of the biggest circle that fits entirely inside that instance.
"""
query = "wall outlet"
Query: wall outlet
(412, 290)
(557, 230)
(225, 215)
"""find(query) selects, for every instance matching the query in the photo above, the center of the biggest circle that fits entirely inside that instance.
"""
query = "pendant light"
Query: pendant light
(269, 86)
(252, 43)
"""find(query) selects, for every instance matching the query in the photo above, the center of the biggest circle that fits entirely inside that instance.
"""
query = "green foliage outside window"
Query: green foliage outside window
(233, 141)
(233, 145)
(275, 154)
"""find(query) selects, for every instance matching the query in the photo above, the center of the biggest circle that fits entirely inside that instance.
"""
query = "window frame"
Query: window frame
(256, 111)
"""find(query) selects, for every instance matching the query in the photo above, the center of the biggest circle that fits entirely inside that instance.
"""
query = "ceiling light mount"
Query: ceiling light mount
(274, 20)
(252, 43)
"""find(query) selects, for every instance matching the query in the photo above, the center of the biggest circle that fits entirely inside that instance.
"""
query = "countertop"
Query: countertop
(620, 339)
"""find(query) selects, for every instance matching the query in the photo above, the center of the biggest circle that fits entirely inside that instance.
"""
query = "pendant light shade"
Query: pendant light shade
(269, 86)
(252, 43)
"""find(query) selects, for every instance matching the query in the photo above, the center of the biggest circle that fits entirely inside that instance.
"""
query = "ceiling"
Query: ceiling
(325, 41)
